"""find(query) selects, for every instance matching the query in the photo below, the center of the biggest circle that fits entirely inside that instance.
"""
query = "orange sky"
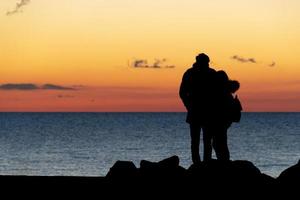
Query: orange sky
(93, 44)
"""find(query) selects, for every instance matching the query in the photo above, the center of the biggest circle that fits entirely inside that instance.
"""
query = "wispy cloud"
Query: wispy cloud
(156, 64)
(244, 60)
(65, 96)
(31, 86)
(140, 63)
(18, 86)
(251, 60)
(55, 87)
(18, 7)
(273, 64)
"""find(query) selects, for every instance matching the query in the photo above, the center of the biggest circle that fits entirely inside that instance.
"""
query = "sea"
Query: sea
(88, 144)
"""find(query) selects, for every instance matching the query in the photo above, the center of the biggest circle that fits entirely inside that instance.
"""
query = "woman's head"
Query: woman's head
(233, 86)
(229, 85)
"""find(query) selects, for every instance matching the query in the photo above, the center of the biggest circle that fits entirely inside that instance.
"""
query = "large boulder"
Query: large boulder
(212, 177)
(163, 170)
(122, 170)
(169, 163)
(215, 173)
(290, 176)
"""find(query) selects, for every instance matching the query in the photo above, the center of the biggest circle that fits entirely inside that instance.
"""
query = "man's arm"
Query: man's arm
(184, 91)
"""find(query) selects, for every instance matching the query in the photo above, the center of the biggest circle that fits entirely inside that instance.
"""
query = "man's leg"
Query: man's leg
(195, 142)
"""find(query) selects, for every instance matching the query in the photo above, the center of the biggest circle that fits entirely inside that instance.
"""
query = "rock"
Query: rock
(163, 170)
(212, 178)
(268, 180)
(122, 170)
(171, 162)
(147, 165)
(245, 171)
(217, 173)
(290, 176)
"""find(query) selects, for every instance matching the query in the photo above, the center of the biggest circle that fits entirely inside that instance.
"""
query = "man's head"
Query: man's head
(202, 60)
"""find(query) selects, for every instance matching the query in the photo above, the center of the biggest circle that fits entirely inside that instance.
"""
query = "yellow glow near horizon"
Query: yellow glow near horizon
(78, 42)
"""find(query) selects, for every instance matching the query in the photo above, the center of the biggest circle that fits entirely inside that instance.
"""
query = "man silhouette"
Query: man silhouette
(198, 93)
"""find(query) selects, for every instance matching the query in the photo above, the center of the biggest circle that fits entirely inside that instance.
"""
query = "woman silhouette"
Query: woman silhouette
(217, 138)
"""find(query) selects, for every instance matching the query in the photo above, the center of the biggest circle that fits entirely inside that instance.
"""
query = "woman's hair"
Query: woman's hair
(233, 86)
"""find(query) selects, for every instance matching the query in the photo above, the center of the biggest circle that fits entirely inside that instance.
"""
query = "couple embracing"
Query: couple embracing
(208, 97)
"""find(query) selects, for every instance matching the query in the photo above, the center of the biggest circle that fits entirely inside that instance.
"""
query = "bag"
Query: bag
(236, 109)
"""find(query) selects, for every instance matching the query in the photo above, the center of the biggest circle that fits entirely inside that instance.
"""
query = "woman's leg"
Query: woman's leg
(220, 144)
(207, 142)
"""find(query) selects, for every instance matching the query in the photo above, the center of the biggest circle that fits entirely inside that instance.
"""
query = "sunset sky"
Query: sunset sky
(130, 55)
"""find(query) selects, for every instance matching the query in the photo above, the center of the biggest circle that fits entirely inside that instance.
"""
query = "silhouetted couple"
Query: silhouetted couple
(208, 97)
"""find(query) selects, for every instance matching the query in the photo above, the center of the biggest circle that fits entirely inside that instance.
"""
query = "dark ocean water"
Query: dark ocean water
(88, 144)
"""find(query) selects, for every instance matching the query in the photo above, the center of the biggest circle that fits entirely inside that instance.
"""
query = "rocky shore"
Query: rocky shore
(167, 176)
(228, 179)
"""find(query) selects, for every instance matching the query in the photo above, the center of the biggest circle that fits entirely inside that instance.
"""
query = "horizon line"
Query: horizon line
(135, 112)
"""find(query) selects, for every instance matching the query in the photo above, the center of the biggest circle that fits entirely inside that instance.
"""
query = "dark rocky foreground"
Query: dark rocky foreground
(214, 178)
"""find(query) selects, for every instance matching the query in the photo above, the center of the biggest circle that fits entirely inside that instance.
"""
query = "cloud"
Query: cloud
(65, 96)
(273, 64)
(55, 87)
(18, 7)
(16, 86)
(157, 64)
(78, 86)
(31, 86)
(170, 66)
(251, 60)
(244, 60)
(140, 63)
